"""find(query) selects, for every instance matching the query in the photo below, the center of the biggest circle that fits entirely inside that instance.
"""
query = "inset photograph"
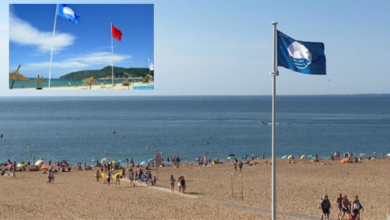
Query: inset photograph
(81, 46)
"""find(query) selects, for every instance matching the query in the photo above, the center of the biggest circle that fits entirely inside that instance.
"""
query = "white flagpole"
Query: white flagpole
(112, 61)
(52, 43)
(275, 73)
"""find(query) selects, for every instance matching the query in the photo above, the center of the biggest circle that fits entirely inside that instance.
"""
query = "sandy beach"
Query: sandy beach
(118, 86)
(299, 188)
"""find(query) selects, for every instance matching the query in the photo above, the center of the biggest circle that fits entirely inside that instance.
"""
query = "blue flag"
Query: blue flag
(67, 13)
(301, 56)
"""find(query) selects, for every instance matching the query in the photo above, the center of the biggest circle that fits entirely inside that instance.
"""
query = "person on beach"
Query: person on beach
(49, 176)
(154, 181)
(338, 203)
(172, 183)
(240, 165)
(345, 206)
(356, 207)
(235, 166)
(14, 169)
(183, 184)
(97, 176)
(179, 183)
(325, 206)
(117, 180)
(136, 176)
(108, 178)
(131, 177)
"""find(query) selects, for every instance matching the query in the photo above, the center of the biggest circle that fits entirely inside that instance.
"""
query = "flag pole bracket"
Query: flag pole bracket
(275, 73)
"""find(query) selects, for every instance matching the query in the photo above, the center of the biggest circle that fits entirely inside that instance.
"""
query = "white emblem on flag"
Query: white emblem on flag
(300, 56)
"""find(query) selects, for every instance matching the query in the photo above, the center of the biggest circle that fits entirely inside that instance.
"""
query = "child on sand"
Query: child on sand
(49, 175)
(154, 180)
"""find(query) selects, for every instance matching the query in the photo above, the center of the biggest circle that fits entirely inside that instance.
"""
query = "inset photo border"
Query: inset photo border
(81, 46)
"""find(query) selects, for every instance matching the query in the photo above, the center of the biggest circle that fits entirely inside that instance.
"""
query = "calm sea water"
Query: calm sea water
(55, 83)
(80, 129)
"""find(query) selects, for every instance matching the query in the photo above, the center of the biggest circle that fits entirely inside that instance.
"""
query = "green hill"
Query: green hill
(119, 72)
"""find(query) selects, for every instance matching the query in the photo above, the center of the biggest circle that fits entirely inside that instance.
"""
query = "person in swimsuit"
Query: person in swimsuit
(108, 178)
(345, 206)
(97, 176)
(172, 183)
(183, 184)
(131, 177)
(356, 207)
(338, 203)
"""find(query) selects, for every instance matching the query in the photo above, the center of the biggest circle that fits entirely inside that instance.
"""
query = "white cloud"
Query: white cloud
(81, 61)
(23, 33)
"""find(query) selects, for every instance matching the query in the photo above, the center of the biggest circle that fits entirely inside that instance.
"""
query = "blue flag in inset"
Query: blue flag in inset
(67, 13)
(301, 56)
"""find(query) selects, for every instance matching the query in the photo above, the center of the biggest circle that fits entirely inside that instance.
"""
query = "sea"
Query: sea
(81, 129)
(56, 83)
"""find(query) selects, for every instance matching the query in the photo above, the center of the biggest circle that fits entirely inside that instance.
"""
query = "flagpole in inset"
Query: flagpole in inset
(274, 73)
(52, 43)
(112, 62)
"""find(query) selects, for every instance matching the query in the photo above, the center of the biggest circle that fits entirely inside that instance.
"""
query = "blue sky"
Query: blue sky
(82, 46)
(225, 47)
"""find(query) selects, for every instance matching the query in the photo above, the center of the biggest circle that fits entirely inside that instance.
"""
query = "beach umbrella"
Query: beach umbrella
(104, 82)
(16, 76)
(121, 161)
(90, 80)
(229, 158)
(45, 166)
(113, 161)
(104, 159)
(94, 160)
(303, 156)
(38, 162)
(310, 156)
(20, 165)
(143, 162)
(284, 157)
(388, 155)
(150, 160)
(231, 155)
(39, 80)
(10, 165)
(244, 155)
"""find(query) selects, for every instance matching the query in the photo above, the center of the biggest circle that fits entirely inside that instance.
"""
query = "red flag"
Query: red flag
(116, 33)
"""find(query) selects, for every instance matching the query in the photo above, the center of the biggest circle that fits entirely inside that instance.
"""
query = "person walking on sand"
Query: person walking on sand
(338, 203)
(325, 206)
(240, 165)
(235, 166)
(183, 184)
(172, 183)
(345, 206)
(356, 207)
